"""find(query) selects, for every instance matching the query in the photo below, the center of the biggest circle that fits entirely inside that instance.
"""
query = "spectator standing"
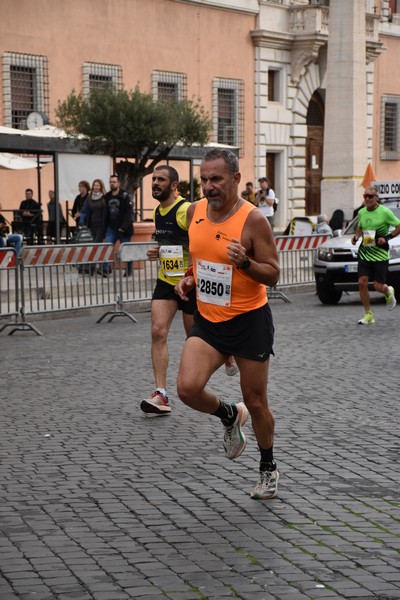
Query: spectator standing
(234, 259)
(249, 193)
(322, 225)
(7, 238)
(93, 211)
(373, 225)
(52, 220)
(84, 189)
(31, 216)
(118, 216)
(265, 199)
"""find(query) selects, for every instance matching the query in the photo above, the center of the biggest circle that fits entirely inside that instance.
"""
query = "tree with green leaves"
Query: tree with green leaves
(131, 126)
(185, 191)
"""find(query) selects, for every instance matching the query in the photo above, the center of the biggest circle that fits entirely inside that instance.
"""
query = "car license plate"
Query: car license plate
(351, 268)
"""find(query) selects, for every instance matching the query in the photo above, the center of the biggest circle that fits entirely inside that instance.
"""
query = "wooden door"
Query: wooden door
(314, 154)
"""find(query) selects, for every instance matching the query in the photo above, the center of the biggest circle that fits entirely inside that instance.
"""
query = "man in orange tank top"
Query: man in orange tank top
(234, 259)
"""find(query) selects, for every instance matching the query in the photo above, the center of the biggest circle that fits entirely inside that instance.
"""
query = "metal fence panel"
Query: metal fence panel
(140, 282)
(62, 277)
(296, 258)
(55, 278)
(9, 285)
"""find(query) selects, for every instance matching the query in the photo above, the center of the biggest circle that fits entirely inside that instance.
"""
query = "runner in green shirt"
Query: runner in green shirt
(374, 221)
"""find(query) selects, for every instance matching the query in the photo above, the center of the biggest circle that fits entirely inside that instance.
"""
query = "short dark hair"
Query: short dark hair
(250, 183)
(172, 173)
(29, 190)
(263, 179)
(228, 156)
(85, 184)
(114, 175)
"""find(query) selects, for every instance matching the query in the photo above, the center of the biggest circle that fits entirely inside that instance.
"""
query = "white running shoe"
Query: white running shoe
(231, 367)
(234, 438)
(267, 486)
(157, 404)
(390, 299)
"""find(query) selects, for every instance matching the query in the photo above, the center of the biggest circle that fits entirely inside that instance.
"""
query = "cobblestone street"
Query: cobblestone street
(98, 501)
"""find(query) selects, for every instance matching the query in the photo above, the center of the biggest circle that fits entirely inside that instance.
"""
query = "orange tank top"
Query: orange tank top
(222, 290)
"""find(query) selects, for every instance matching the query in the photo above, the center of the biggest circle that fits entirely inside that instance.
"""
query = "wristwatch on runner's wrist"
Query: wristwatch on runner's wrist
(245, 264)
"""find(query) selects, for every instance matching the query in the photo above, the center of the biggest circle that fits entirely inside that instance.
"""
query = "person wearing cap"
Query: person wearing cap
(374, 221)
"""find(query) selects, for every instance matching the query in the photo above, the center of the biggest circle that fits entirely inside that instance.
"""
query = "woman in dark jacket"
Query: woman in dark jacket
(84, 188)
(92, 213)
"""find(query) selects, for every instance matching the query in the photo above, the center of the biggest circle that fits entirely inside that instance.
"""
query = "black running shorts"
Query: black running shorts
(250, 335)
(375, 270)
(165, 291)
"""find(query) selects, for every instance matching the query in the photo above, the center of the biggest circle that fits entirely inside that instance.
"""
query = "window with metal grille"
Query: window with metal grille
(98, 75)
(167, 85)
(390, 128)
(228, 112)
(25, 87)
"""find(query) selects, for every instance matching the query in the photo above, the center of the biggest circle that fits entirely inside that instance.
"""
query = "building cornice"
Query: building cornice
(272, 39)
(309, 31)
(374, 50)
(242, 6)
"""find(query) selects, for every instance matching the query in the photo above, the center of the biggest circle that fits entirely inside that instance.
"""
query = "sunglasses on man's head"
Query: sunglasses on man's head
(369, 195)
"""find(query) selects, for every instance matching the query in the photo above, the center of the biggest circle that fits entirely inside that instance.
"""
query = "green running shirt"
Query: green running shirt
(375, 224)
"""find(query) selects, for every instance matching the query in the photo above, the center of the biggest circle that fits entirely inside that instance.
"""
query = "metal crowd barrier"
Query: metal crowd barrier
(9, 285)
(296, 258)
(10, 305)
(9, 290)
(62, 277)
(48, 279)
(135, 277)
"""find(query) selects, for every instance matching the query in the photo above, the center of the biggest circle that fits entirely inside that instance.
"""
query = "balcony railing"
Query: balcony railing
(309, 20)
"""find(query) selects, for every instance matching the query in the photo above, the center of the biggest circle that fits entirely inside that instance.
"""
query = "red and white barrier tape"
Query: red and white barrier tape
(8, 258)
(65, 255)
(304, 242)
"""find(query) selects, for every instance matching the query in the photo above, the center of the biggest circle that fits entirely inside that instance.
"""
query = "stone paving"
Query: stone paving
(98, 501)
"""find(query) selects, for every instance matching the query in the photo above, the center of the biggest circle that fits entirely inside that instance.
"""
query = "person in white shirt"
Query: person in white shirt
(322, 225)
(265, 199)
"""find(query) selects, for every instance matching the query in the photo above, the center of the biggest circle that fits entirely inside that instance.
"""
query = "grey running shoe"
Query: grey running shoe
(157, 404)
(267, 485)
(234, 438)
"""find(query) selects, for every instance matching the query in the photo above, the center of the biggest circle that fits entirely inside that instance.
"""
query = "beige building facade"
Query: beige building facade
(259, 67)
(198, 50)
(291, 64)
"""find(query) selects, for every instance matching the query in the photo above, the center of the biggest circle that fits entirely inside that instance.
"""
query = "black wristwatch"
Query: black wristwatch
(245, 264)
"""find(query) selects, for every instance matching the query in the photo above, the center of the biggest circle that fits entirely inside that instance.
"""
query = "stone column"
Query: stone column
(345, 135)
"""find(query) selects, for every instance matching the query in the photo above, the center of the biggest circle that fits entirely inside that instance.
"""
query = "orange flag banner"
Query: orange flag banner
(368, 176)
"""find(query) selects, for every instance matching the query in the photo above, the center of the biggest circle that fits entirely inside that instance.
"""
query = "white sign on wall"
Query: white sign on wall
(387, 189)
